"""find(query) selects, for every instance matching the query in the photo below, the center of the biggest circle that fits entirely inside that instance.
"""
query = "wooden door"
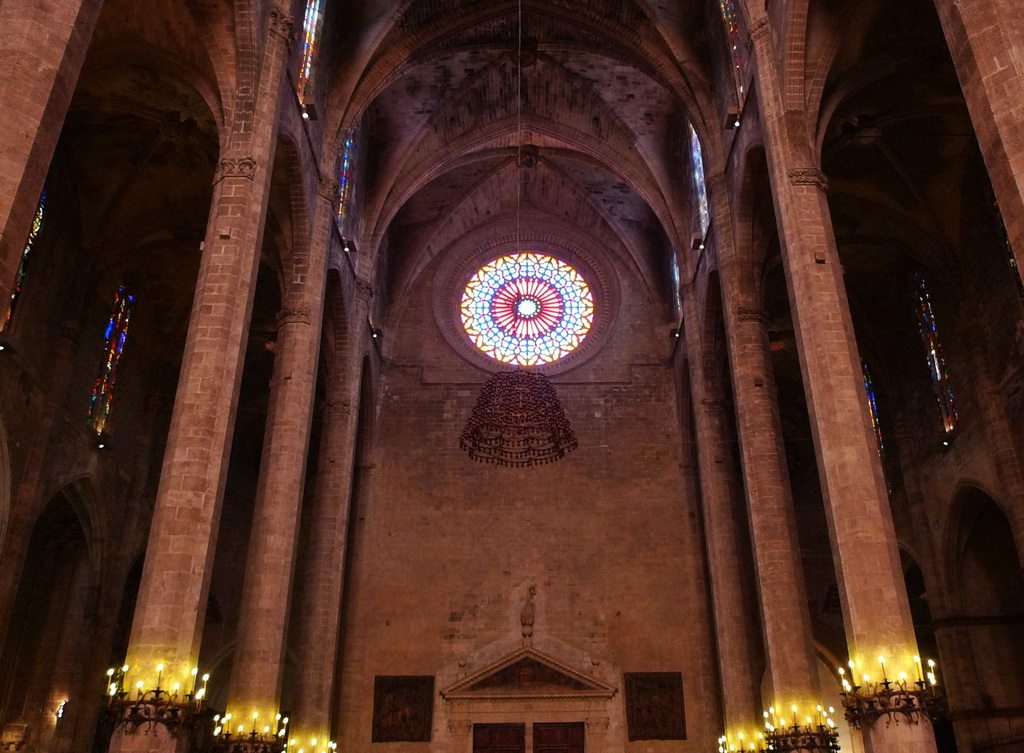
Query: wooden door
(499, 738)
(558, 738)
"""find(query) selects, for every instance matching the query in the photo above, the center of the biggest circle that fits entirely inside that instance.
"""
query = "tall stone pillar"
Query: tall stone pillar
(986, 41)
(875, 609)
(722, 534)
(789, 644)
(42, 48)
(259, 659)
(168, 621)
(320, 611)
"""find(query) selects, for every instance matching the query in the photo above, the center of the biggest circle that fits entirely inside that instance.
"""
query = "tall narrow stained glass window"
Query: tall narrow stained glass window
(346, 179)
(699, 185)
(869, 387)
(677, 300)
(732, 27)
(19, 278)
(310, 29)
(116, 334)
(933, 347)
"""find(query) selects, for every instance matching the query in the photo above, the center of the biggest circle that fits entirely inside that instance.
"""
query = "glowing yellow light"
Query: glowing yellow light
(159, 667)
(110, 672)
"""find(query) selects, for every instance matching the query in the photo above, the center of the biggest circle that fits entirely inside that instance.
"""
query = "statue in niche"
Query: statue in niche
(529, 613)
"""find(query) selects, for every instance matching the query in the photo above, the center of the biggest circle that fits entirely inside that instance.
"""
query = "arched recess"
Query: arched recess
(990, 592)
(45, 655)
(5, 484)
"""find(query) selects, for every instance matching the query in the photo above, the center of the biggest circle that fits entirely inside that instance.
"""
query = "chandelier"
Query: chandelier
(518, 422)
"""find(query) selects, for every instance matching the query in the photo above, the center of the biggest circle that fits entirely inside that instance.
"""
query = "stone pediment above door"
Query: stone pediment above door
(527, 673)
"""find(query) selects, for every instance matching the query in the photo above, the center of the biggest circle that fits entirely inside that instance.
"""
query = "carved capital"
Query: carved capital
(337, 407)
(759, 28)
(745, 314)
(282, 24)
(327, 189)
(364, 290)
(294, 316)
(809, 176)
(240, 167)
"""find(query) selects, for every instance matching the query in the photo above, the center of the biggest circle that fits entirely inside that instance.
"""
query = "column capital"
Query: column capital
(235, 167)
(759, 28)
(294, 316)
(327, 189)
(364, 290)
(747, 314)
(282, 24)
(809, 176)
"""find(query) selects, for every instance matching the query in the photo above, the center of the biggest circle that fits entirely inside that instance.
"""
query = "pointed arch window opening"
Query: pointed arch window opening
(346, 181)
(310, 32)
(19, 277)
(699, 183)
(115, 336)
(730, 15)
(677, 300)
(937, 367)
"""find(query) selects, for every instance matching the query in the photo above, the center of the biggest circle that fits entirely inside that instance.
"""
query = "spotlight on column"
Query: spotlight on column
(102, 441)
(732, 120)
(696, 242)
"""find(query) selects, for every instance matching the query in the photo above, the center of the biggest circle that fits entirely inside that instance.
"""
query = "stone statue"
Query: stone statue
(529, 613)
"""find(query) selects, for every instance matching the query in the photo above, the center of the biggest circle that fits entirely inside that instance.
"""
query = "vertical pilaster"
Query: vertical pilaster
(320, 612)
(875, 609)
(168, 621)
(259, 663)
(986, 42)
(722, 533)
(42, 48)
(789, 644)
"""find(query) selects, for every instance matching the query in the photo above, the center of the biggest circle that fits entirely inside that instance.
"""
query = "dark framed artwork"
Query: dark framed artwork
(654, 705)
(403, 708)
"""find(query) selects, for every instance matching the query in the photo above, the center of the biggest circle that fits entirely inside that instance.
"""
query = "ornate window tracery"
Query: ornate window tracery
(527, 309)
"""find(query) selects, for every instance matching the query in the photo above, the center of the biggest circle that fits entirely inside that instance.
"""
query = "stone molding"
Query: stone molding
(364, 290)
(745, 314)
(327, 189)
(240, 167)
(809, 176)
(759, 28)
(294, 316)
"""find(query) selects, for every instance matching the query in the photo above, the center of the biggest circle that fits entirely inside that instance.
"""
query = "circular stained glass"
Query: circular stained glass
(527, 309)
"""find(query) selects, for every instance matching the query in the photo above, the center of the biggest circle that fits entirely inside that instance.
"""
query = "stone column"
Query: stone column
(789, 643)
(722, 533)
(168, 621)
(320, 611)
(986, 41)
(875, 609)
(259, 658)
(42, 48)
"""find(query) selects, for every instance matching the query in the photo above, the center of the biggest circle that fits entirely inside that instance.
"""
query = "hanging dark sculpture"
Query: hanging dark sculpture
(518, 422)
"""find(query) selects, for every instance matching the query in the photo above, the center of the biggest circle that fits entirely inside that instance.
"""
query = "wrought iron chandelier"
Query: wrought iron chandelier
(518, 422)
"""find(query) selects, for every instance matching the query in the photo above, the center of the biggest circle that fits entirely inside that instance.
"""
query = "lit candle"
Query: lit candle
(175, 689)
(881, 660)
(195, 680)
(138, 687)
(159, 674)
(917, 663)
